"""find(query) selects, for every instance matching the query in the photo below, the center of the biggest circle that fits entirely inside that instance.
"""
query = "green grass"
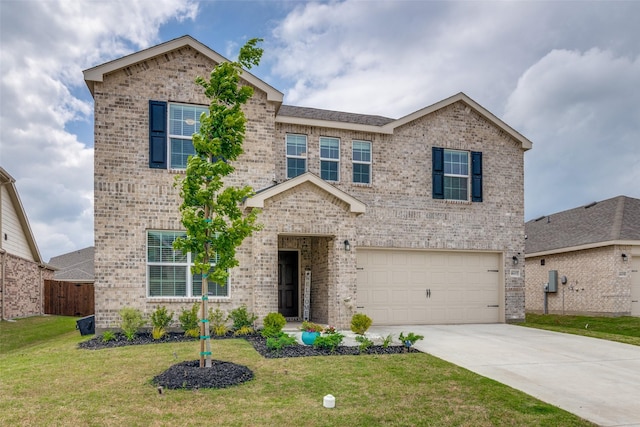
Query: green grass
(624, 329)
(32, 330)
(51, 382)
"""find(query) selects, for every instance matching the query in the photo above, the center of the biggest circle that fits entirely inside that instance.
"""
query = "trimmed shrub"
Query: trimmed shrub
(360, 322)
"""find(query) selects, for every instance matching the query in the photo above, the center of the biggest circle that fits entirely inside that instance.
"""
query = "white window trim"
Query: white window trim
(360, 162)
(171, 136)
(189, 273)
(329, 159)
(289, 156)
(453, 175)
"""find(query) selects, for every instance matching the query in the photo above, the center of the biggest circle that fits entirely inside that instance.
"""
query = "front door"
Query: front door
(288, 283)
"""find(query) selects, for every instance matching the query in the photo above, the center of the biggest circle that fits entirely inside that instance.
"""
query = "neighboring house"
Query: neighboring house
(413, 220)
(76, 266)
(22, 271)
(595, 250)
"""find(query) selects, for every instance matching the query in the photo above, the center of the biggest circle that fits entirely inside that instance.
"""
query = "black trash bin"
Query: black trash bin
(86, 325)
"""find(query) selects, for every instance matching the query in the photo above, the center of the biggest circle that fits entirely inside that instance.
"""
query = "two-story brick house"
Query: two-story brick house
(415, 220)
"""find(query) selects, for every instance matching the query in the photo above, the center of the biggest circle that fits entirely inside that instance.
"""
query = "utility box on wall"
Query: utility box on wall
(553, 281)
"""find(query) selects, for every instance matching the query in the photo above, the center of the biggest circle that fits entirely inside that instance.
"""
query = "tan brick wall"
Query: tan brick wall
(23, 286)
(130, 198)
(598, 282)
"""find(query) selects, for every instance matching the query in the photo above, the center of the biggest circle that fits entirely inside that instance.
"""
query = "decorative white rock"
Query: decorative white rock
(329, 401)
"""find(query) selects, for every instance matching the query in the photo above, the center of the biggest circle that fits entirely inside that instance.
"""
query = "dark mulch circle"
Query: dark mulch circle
(189, 375)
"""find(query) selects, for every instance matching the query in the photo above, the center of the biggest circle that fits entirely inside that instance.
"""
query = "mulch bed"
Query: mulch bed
(189, 375)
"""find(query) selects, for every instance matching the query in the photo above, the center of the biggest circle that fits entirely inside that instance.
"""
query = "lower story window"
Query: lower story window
(169, 271)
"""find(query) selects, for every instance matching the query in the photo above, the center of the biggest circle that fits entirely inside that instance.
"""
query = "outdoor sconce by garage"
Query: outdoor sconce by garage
(347, 245)
(624, 257)
(515, 260)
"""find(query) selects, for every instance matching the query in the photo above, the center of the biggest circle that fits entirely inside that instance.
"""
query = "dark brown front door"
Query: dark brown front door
(288, 283)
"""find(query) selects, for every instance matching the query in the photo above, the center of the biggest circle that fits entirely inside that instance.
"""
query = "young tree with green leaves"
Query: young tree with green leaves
(211, 214)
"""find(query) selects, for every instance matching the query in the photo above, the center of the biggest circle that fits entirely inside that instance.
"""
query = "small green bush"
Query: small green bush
(387, 341)
(131, 323)
(365, 342)
(331, 341)
(241, 317)
(273, 324)
(245, 330)
(218, 321)
(409, 339)
(280, 341)
(360, 322)
(189, 321)
(161, 317)
(108, 336)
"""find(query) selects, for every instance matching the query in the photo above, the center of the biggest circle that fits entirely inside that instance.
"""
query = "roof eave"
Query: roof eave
(97, 73)
(583, 247)
(331, 124)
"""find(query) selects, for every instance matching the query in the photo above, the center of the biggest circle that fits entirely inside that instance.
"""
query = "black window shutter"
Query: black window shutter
(437, 166)
(158, 134)
(476, 176)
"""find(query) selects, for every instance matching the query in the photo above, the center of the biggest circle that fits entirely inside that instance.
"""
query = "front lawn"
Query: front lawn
(624, 329)
(52, 382)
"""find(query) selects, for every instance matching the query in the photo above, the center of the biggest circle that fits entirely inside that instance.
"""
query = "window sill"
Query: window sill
(458, 202)
(187, 299)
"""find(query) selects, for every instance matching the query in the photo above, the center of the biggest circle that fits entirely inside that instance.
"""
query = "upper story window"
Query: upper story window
(457, 175)
(296, 149)
(169, 271)
(330, 158)
(184, 121)
(361, 155)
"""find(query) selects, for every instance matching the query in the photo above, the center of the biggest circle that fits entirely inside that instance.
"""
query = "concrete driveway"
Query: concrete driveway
(595, 379)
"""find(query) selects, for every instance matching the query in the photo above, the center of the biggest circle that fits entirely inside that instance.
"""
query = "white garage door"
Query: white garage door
(398, 287)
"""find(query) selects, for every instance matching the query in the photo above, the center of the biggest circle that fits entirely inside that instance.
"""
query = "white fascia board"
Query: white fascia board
(584, 247)
(332, 124)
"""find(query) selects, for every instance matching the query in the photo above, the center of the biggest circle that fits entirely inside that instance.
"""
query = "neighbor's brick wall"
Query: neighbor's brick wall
(401, 212)
(24, 284)
(130, 198)
(598, 282)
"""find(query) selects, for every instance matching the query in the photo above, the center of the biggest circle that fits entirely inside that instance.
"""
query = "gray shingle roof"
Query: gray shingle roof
(612, 219)
(334, 116)
(76, 266)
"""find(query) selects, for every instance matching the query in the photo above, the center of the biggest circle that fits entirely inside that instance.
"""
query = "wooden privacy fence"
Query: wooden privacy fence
(68, 298)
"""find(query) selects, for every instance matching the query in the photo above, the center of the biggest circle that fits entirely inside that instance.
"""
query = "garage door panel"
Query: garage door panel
(463, 287)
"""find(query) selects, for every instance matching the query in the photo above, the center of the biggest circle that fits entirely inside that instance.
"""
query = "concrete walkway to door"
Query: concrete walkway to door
(595, 379)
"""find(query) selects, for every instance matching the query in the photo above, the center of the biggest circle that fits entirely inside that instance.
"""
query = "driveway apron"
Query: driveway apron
(595, 379)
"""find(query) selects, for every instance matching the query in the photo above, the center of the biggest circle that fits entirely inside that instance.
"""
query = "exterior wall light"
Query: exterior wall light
(515, 260)
(347, 245)
(624, 258)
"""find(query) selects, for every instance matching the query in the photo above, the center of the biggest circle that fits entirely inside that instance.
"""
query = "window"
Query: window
(329, 158)
(296, 155)
(169, 271)
(361, 162)
(456, 173)
(184, 121)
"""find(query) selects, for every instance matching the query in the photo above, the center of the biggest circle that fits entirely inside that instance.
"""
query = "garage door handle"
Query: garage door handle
(428, 293)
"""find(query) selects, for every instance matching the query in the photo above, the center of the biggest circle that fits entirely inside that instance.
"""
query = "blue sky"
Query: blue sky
(564, 74)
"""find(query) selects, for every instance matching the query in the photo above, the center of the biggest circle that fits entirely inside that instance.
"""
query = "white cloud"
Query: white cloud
(581, 110)
(45, 47)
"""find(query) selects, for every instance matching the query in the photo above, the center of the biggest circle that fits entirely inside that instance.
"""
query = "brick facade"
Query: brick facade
(23, 284)
(598, 282)
(131, 198)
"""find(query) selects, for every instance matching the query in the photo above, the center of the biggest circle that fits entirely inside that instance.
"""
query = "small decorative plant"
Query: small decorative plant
(277, 343)
(330, 330)
(131, 323)
(331, 341)
(410, 339)
(311, 327)
(108, 335)
(387, 341)
(365, 342)
(244, 330)
(160, 319)
(218, 321)
(273, 324)
(241, 317)
(189, 321)
(360, 322)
